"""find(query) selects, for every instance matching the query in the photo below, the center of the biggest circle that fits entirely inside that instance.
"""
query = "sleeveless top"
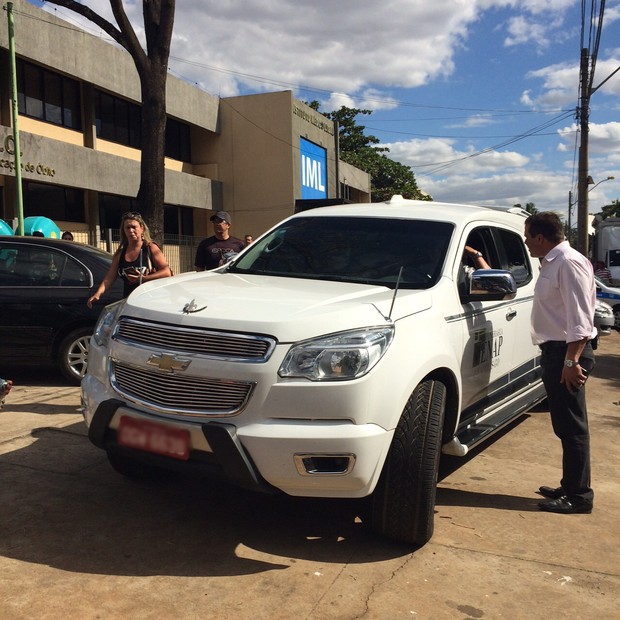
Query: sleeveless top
(142, 262)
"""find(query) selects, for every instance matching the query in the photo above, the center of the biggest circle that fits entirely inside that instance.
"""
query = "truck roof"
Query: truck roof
(401, 208)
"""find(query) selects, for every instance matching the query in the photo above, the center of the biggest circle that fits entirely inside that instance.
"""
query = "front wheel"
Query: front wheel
(73, 354)
(404, 500)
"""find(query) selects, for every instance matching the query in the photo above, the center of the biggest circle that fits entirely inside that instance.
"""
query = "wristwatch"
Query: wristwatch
(570, 363)
(478, 255)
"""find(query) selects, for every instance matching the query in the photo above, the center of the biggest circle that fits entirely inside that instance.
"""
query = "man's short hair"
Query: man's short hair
(547, 224)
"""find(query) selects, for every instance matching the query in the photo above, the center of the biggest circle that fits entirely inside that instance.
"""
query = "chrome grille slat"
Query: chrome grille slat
(178, 393)
(203, 342)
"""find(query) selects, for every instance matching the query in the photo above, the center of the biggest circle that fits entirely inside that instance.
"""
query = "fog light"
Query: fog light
(324, 464)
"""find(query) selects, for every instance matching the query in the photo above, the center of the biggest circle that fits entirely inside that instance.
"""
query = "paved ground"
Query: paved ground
(78, 541)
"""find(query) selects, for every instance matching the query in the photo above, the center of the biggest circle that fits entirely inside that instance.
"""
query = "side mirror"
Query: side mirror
(492, 285)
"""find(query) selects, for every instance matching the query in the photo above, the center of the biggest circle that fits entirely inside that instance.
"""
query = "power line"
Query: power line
(536, 131)
(440, 166)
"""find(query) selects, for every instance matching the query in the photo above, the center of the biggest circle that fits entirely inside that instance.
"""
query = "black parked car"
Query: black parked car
(44, 285)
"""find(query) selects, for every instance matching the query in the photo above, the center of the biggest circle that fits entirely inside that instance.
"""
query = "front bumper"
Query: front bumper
(297, 457)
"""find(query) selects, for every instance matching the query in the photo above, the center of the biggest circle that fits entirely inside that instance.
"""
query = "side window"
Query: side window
(481, 239)
(33, 266)
(7, 261)
(73, 273)
(514, 255)
(22, 265)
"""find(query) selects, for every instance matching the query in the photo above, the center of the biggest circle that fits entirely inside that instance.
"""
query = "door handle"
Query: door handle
(511, 313)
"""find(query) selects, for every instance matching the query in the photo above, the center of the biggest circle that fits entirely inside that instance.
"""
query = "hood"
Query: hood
(290, 309)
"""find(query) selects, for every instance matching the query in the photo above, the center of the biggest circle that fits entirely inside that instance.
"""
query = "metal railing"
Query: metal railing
(180, 250)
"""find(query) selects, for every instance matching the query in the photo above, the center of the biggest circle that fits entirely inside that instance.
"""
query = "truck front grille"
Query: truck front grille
(179, 394)
(208, 343)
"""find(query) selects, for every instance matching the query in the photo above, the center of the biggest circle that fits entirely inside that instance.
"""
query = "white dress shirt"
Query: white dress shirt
(564, 297)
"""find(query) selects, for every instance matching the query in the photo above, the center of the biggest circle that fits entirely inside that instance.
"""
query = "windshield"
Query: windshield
(351, 249)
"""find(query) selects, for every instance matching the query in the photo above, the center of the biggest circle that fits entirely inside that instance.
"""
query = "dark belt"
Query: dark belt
(553, 344)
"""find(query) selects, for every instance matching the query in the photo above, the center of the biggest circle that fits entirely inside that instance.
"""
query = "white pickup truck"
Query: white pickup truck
(337, 356)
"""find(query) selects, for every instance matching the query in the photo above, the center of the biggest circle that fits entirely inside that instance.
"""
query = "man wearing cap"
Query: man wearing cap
(212, 251)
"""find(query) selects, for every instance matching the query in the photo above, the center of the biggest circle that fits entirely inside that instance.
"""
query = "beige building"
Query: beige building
(259, 157)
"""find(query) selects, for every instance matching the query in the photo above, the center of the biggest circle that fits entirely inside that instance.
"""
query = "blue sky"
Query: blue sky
(446, 80)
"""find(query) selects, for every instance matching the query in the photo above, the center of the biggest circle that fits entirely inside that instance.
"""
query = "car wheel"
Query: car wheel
(404, 500)
(130, 468)
(617, 316)
(73, 354)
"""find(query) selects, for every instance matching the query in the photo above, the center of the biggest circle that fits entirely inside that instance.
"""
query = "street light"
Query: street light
(571, 203)
(590, 181)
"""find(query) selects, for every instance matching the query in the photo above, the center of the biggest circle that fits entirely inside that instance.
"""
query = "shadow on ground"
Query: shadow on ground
(62, 505)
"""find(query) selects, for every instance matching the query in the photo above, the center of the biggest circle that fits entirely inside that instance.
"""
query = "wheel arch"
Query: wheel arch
(451, 414)
(62, 333)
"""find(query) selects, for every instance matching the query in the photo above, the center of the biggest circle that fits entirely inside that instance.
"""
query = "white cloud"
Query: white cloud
(505, 177)
(435, 153)
(522, 30)
(359, 54)
(603, 138)
(477, 120)
(560, 83)
(370, 99)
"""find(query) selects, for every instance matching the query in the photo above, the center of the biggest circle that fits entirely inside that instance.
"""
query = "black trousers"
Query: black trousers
(569, 418)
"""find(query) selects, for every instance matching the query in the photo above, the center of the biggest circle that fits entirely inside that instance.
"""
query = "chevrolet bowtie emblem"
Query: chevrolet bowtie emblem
(191, 307)
(168, 363)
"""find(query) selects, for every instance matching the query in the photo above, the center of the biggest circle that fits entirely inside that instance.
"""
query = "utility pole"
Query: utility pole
(15, 110)
(582, 186)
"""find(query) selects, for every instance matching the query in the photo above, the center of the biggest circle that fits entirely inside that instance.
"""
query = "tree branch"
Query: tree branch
(89, 14)
(131, 42)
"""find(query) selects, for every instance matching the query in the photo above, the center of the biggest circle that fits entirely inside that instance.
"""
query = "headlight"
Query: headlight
(603, 309)
(338, 357)
(107, 322)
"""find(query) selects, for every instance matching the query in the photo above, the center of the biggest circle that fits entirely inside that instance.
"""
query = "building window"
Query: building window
(54, 201)
(178, 220)
(48, 96)
(178, 140)
(119, 120)
(111, 209)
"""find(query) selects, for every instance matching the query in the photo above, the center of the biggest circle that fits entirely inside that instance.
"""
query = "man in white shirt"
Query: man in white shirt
(563, 326)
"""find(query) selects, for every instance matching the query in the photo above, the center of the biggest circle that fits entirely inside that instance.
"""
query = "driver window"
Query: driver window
(481, 240)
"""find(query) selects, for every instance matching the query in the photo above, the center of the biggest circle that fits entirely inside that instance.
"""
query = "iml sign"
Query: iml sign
(313, 170)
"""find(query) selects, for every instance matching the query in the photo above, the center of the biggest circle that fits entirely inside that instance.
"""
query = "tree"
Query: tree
(530, 207)
(388, 177)
(612, 210)
(152, 67)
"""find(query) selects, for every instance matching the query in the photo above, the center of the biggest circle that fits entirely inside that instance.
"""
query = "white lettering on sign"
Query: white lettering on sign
(311, 173)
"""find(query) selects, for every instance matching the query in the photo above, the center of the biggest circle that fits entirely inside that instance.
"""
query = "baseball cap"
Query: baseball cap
(222, 215)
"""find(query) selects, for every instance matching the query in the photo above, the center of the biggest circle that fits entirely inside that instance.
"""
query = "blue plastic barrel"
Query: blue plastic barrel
(5, 229)
(41, 225)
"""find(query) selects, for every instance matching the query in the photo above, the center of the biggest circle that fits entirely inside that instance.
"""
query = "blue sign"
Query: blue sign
(313, 170)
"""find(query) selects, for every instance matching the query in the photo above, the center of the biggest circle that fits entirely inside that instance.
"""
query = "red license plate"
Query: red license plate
(152, 437)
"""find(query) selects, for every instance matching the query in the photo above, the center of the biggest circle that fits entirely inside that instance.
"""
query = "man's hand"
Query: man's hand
(573, 377)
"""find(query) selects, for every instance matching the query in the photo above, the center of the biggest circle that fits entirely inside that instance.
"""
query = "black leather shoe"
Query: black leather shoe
(565, 506)
(551, 493)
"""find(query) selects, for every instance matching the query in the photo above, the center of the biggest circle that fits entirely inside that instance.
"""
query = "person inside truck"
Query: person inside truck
(601, 271)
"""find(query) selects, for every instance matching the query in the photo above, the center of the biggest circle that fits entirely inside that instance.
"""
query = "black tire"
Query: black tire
(404, 500)
(73, 354)
(130, 468)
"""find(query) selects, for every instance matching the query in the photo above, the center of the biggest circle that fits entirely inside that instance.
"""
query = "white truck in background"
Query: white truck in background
(606, 246)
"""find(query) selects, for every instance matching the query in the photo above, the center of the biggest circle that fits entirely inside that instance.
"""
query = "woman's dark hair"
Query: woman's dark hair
(547, 224)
